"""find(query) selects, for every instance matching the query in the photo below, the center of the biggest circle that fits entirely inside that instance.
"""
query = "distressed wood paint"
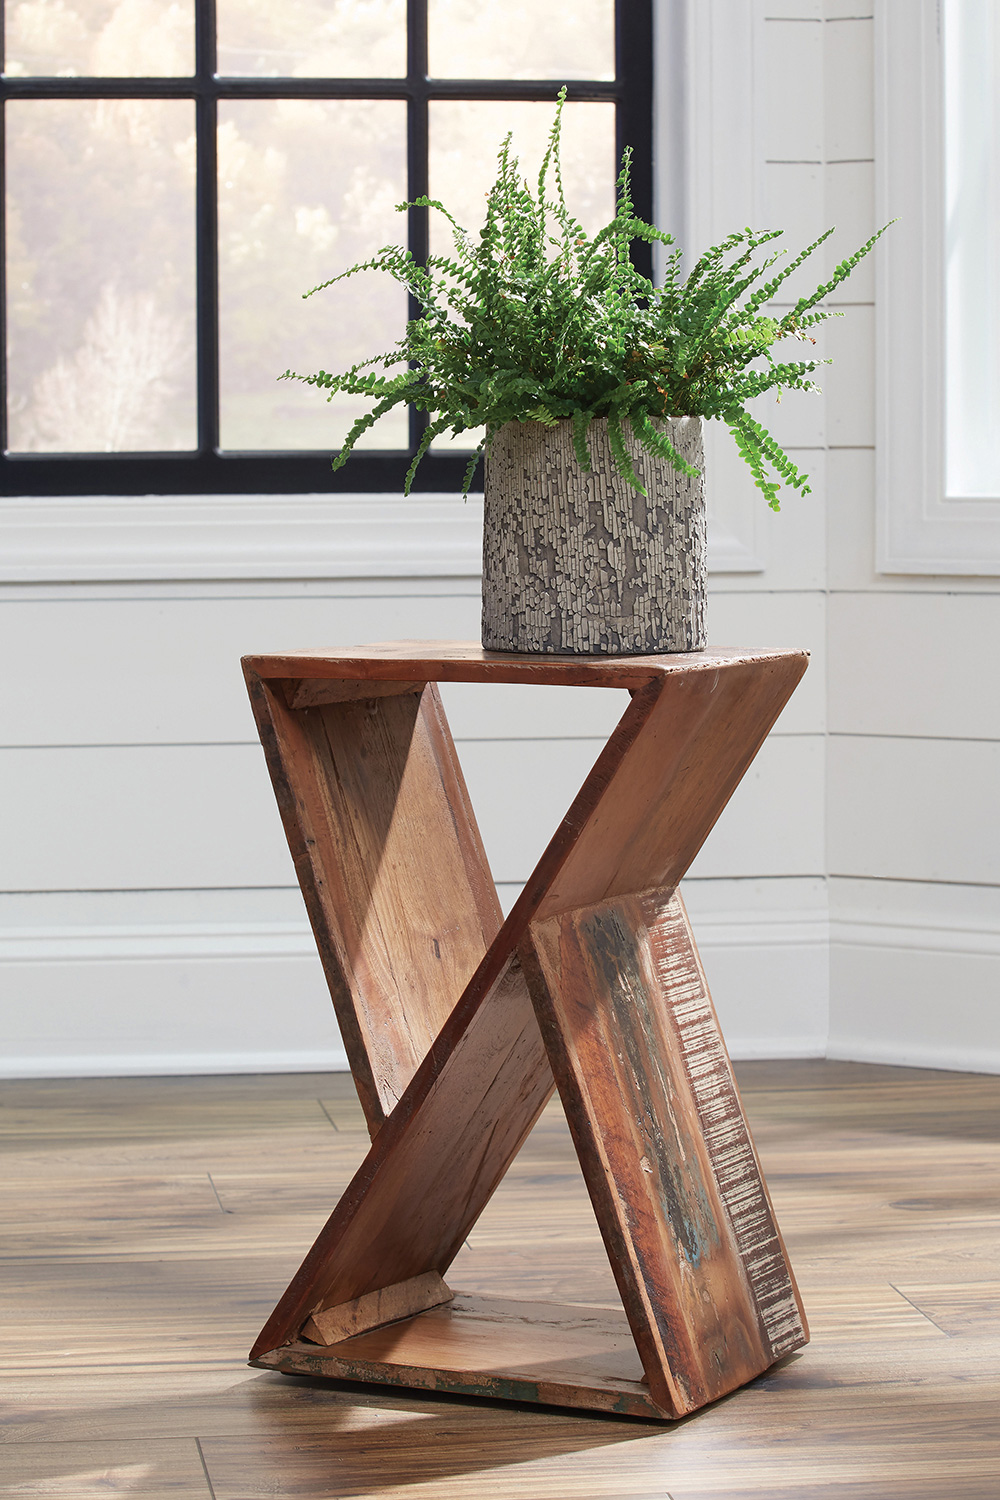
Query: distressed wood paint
(592, 982)
(503, 1348)
(700, 1046)
(667, 1154)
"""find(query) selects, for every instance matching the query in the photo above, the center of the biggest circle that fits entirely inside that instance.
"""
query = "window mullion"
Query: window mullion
(3, 269)
(634, 112)
(207, 227)
(417, 148)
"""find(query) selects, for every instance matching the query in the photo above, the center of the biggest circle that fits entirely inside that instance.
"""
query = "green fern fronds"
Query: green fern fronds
(620, 453)
(533, 319)
(581, 421)
(657, 442)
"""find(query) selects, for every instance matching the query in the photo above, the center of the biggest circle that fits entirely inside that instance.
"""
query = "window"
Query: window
(178, 172)
(971, 37)
(937, 154)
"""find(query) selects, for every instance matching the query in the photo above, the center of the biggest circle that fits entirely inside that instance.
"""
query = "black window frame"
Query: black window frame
(209, 469)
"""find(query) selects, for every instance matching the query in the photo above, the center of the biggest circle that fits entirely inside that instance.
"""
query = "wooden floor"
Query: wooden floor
(150, 1224)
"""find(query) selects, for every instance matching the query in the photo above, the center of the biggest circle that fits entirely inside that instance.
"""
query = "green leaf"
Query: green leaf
(532, 318)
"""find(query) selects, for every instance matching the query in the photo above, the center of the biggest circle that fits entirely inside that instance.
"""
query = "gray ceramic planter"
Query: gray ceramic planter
(583, 564)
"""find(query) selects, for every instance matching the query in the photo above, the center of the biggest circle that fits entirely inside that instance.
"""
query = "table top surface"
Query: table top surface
(465, 661)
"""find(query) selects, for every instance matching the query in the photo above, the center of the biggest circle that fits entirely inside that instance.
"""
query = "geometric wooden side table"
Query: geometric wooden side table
(458, 1025)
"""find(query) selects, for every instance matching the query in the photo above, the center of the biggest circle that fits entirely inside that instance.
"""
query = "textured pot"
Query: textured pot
(583, 564)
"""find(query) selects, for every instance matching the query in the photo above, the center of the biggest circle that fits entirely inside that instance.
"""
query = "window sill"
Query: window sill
(133, 539)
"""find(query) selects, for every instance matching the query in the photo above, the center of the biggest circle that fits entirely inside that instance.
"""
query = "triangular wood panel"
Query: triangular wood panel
(593, 983)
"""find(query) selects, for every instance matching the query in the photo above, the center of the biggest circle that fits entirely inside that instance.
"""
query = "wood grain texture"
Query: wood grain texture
(498, 1347)
(883, 1178)
(665, 1149)
(92, 1471)
(392, 868)
(696, 1044)
(660, 784)
(314, 693)
(700, 1275)
(435, 1163)
(467, 661)
(375, 1309)
(577, 561)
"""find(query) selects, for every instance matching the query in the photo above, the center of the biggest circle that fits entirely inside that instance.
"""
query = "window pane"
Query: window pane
(306, 188)
(312, 38)
(465, 136)
(972, 186)
(99, 38)
(100, 275)
(521, 39)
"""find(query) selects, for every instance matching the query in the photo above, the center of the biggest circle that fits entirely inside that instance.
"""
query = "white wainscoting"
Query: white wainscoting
(147, 996)
(908, 973)
(915, 974)
(146, 817)
(158, 928)
(920, 665)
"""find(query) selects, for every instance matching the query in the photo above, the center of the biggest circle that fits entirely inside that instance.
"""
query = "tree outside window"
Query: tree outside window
(179, 174)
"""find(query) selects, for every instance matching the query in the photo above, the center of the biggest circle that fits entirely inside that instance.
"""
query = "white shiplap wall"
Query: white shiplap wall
(150, 920)
(913, 810)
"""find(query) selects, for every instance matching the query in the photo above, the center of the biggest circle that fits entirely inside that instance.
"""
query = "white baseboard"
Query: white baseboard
(176, 1064)
(136, 998)
(768, 971)
(174, 999)
(902, 1054)
(915, 975)
(139, 998)
(743, 1049)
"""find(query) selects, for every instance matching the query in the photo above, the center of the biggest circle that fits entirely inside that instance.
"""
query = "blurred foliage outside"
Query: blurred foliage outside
(100, 213)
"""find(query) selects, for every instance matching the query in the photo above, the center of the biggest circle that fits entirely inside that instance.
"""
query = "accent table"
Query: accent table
(458, 1025)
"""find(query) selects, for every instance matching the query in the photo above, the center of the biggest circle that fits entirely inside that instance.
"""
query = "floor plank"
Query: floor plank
(150, 1224)
(92, 1470)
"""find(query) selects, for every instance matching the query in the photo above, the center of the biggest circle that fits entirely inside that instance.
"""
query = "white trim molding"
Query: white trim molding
(150, 941)
(176, 538)
(919, 528)
(916, 936)
(175, 1064)
(912, 986)
(122, 999)
(119, 998)
(914, 974)
(132, 538)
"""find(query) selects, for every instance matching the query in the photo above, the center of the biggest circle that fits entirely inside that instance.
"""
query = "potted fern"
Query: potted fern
(591, 385)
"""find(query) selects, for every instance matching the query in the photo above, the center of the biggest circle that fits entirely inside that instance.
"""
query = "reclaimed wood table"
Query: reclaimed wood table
(458, 1025)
